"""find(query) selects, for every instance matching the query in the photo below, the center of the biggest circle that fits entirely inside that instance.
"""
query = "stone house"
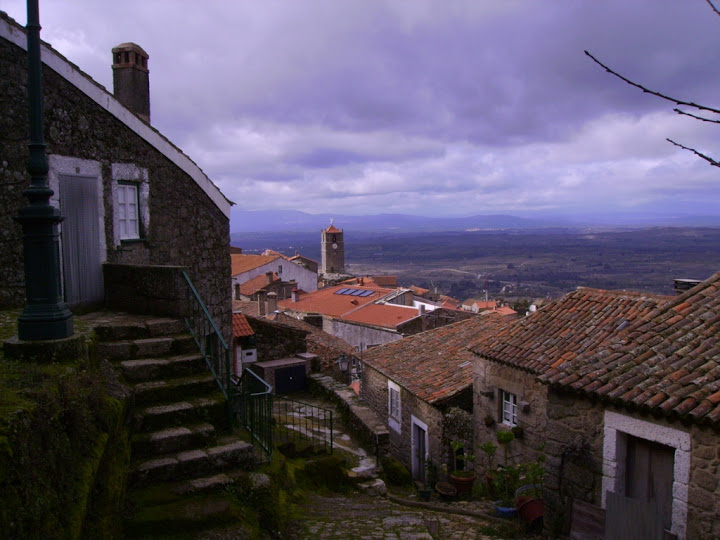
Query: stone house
(646, 408)
(136, 208)
(623, 389)
(507, 392)
(411, 385)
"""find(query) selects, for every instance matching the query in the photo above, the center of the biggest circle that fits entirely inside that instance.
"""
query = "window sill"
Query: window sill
(394, 424)
(127, 241)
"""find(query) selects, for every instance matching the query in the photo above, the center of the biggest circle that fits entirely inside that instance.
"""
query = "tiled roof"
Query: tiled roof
(326, 302)
(481, 304)
(418, 290)
(505, 311)
(332, 228)
(299, 257)
(242, 262)
(315, 334)
(385, 315)
(449, 302)
(241, 327)
(384, 281)
(667, 363)
(257, 283)
(246, 307)
(433, 365)
(558, 332)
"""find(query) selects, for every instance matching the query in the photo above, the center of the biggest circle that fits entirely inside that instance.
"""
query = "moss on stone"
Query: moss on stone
(395, 472)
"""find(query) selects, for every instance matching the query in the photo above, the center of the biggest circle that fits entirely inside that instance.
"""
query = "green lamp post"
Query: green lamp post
(45, 315)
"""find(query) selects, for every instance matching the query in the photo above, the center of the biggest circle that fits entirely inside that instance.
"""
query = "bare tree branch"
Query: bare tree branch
(710, 160)
(653, 92)
(713, 7)
(696, 117)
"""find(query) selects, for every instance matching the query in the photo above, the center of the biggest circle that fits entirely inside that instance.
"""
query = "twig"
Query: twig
(713, 7)
(710, 160)
(696, 117)
(653, 92)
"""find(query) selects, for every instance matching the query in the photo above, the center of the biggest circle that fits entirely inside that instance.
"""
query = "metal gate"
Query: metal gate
(82, 265)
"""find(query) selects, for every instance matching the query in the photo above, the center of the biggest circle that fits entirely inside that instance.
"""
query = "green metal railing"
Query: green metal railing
(253, 403)
(299, 421)
(211, 344)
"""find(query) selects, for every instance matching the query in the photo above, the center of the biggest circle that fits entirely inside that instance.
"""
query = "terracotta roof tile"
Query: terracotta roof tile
(241, 327)
(257, 283)
(326, 302)
(672, 354)
(433, 365)
(559, 331)
(242, 263)
(385, 315)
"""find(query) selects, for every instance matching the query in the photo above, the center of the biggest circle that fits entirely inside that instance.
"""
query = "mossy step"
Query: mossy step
(182, 516)
(232, 453)
(172, 439)
(212, 409)
(168, 389)
(155, 368)
(131, 330)
(146, 348)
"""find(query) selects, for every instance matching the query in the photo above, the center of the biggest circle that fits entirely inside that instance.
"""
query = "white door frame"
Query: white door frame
(413, 445)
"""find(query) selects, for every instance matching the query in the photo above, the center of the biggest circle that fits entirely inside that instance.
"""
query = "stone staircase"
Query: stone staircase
(182, 453)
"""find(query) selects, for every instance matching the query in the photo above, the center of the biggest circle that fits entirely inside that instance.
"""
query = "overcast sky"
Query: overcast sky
(437, 107)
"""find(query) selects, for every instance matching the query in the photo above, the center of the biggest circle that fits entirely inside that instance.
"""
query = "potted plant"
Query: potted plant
(445, 489)
(425, 490)
(489, 449)
(529, 497)
(507, 478)
(463, 479)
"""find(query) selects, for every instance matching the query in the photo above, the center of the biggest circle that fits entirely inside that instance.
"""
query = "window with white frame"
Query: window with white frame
(128, 211)
(394, 407)
(508, 412)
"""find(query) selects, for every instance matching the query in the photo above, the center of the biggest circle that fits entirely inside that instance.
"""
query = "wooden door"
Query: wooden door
(80, 237)
(649, 475)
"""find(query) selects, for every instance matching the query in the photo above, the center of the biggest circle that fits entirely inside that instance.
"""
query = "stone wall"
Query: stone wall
(374, 391)
(186, 228)
(704, 488)
(488, 379)
(275, 341)
(157, 290)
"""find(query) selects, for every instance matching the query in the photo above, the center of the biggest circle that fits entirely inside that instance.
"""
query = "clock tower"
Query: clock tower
(332, 249)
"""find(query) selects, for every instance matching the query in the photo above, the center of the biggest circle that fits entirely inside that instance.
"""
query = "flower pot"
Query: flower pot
(463, 484)
(505, 511)
(446, 490)
(489, 480)
(530, 510)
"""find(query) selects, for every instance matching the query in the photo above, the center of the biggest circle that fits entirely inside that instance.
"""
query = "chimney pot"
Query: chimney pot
(272, 302)
(131, 78)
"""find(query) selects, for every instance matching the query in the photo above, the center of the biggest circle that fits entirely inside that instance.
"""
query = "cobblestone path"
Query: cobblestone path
(362, 517)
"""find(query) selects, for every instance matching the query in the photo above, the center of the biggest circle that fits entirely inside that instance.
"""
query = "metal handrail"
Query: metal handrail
(211, 343)
(253, 403)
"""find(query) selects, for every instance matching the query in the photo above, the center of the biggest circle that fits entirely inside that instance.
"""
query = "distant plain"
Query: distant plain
(516, 264)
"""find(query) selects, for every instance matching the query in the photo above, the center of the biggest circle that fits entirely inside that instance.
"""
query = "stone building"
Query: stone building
(136, 208)
(411, 385)
(649, 399)
(622, 388)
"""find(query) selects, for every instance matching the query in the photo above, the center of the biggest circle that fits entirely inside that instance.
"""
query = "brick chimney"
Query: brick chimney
(294, 294)
(269, 276)
(131, 78)
(261, 303)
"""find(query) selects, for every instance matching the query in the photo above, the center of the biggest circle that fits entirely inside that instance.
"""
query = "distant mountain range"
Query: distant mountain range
(296, 221)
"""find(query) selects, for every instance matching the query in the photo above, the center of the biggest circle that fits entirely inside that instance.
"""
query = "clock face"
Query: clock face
(334, 246)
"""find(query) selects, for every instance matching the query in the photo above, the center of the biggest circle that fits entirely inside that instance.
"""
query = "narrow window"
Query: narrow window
(128, 214)
(509, 408)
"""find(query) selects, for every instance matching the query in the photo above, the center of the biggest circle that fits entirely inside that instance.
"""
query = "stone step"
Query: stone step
(169, 389)
(212, 409)
(154, 368)
(146, 348)
(172, 439)
(131, 330)
(182, 517)
(231, 453)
